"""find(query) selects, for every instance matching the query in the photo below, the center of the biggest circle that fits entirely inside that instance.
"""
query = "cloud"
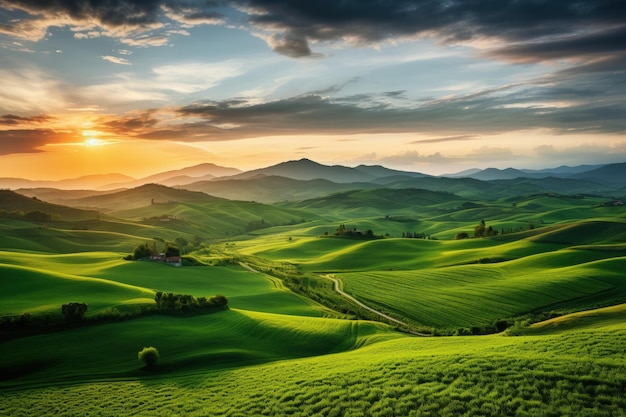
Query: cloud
(31, 91)
(522, 31)
(127, 125)
(131, 21)
(192, 15)
(144, 41)
(488, 153)
(444, 140)
(372, 21)
(586, 153)
(28, 140)
(491, 111)
(128, 90)
(290, 45)
(414, 157)
(116, 60)
(11, 119)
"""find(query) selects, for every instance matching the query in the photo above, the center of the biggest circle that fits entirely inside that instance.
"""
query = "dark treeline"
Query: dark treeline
(415, 235)
(72, 315)
(31, 216)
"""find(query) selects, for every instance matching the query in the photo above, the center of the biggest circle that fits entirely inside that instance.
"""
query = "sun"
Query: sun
(93, 142)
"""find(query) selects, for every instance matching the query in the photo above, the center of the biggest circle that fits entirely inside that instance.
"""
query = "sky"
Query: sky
(435, 86)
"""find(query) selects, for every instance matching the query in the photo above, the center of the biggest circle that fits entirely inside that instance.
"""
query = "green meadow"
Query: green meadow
(527, 322)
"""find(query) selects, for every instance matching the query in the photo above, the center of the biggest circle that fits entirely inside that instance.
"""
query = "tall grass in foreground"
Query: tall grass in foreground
(572, 374)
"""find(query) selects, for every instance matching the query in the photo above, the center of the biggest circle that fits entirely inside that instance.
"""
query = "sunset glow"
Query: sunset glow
(223, 85)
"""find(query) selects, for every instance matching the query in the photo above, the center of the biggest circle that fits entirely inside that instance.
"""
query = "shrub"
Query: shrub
(149, 356)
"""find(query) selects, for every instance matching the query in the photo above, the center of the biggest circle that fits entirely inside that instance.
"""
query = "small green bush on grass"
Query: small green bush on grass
(149, 356)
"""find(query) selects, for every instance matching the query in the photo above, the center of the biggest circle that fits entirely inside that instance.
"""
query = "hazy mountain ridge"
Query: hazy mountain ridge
(181, 176)
(304, 179)
(273, 188)
(85, 182)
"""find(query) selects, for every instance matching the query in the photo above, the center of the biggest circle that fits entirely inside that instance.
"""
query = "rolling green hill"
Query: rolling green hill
(11, 201)
(383, 201)
(216, 219)
(142, 196)
(276, 352)
(35, 290)
(567, 373)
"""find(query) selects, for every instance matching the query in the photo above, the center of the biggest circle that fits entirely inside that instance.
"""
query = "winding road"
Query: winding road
(338, 290)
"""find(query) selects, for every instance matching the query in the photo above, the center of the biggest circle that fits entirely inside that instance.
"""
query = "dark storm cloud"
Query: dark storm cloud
(583, 45)
(122, 17)
(27, 140)
(529, 30)
(511, 21)
(109, 13)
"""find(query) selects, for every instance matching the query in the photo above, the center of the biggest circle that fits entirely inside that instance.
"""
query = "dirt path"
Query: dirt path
(337, 287)
(338, 290)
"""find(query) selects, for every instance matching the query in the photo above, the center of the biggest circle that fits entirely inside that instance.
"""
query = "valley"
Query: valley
(496, 293)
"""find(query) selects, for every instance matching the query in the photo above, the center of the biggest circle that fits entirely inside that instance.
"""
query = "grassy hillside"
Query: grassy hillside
(605, 319)
(448, 284)
(216, 219)
(35, 290)
(38, 283)
(570, 373)
(226, 339)
(278, 353)
(142, 196)
(11, 201)
(379, 202)
(479, 295)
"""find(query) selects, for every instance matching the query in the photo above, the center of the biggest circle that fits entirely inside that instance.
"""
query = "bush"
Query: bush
(149, 356)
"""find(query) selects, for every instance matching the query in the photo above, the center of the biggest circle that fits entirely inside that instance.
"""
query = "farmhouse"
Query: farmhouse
(170, 260)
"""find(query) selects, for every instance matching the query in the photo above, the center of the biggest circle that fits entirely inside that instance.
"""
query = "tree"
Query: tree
(149, 356)
(219, 300)
(142, 251)
(461, 235)
(73, 312)
(181, 242)
(479, 230)
(171, 251)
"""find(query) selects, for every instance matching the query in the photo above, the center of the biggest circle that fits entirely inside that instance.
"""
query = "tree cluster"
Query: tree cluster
(482, 230)
(32, 216)
(256, 225)
(185, 303)
(415, 235)
(342, 231)
(146, 250)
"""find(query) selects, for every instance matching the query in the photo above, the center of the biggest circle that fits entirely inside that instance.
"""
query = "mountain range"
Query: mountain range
(304, 179)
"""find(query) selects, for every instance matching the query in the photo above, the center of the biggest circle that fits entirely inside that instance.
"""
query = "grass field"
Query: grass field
(564, 373)
(279, 353)
(38, 283)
